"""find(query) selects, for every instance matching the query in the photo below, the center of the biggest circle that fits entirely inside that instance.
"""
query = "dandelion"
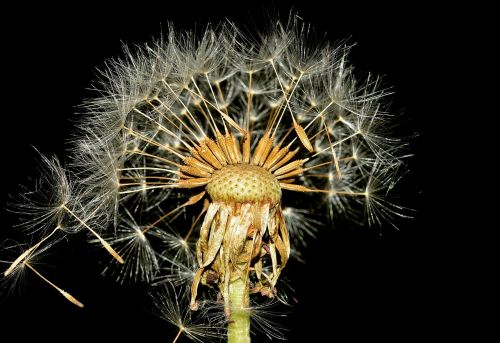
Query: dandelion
(190, 156)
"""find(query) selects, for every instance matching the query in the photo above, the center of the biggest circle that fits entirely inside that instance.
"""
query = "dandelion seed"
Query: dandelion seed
(49, 204)
(301, 225)
(140, 261)
(27, 252)
(41, 207)
(65, 294)
(265, 318)
(28, 260)
(169, 305)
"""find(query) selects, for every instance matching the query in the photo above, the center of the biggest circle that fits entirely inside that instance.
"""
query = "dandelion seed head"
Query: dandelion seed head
(207, 158)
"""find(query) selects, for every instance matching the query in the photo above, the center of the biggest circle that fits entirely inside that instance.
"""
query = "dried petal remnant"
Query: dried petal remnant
(243, 183)
(243, 226)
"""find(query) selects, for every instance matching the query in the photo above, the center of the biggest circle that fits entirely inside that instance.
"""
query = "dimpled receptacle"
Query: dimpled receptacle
(243, 183)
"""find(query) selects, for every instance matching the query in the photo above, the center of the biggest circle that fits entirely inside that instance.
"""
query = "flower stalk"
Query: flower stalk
(238, 330)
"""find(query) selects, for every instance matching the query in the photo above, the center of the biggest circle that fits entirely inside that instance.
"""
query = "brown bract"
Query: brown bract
(244, 229)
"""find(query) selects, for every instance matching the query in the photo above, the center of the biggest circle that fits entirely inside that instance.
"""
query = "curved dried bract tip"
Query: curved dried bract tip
(172, 305)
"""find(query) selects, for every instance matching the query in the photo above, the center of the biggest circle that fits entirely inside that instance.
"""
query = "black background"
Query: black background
(382, 284)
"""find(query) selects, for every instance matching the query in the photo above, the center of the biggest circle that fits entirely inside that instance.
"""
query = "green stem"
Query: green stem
(238, 330)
